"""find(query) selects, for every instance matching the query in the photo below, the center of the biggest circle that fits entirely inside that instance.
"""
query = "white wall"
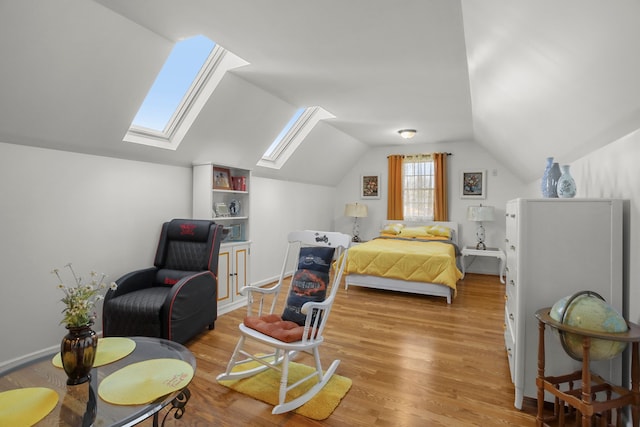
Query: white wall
(501, 187)
(612, 172)
(57, 207)
(278, 207)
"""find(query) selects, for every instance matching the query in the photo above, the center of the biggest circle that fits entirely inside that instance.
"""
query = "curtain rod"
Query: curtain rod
(448, 154)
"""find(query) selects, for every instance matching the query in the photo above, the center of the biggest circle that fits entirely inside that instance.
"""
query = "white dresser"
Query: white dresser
(554, 248)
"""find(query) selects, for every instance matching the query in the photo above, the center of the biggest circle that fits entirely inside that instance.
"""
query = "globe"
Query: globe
(588, 310)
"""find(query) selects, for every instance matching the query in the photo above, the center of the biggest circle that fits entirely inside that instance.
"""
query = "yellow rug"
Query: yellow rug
(265, 387)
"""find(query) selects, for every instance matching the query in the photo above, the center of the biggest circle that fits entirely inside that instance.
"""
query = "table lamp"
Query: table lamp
(355, 210)
(479, 214)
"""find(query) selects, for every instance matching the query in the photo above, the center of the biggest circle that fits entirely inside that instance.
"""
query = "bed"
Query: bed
(408, 257)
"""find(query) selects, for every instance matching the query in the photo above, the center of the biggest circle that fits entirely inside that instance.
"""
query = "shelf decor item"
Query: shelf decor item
(239, 183)
(235, 233)
(221, 178)
(78, 347)
(566, 184)
(221, 209)
(549, 182)
(234, 207)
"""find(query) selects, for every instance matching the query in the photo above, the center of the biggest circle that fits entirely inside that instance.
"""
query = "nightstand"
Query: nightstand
(489, 252)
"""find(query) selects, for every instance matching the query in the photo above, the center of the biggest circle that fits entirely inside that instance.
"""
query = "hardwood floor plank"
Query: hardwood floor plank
(414, 361)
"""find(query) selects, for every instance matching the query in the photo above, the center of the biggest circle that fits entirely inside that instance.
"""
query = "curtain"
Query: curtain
(440, 201)
(394, 198)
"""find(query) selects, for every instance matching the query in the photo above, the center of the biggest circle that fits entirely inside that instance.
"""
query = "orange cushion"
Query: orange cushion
(273, 326)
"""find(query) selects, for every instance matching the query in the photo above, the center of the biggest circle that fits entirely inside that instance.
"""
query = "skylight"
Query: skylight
(292, 135)
(278, 141)
(188, 78)
(173, 82)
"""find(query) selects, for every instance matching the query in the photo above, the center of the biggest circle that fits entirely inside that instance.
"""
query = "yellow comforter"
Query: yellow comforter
(418, 261)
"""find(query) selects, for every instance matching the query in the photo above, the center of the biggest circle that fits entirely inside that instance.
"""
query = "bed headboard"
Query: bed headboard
(452, 225)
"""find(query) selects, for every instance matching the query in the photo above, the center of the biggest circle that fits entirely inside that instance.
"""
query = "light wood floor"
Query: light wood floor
(414, 361)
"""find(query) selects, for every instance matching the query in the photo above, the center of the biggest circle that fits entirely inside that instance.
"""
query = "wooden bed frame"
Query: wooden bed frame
(422, 288)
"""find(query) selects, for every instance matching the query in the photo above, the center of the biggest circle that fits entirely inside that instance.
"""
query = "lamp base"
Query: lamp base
(481, 246)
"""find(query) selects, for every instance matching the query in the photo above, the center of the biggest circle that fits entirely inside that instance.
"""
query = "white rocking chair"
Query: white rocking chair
(300, 327)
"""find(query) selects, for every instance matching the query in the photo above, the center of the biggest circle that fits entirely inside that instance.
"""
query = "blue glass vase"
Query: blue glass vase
(549, 182)
(566, 185)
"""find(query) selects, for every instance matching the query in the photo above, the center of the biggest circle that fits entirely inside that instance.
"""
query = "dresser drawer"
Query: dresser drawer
(509, 344)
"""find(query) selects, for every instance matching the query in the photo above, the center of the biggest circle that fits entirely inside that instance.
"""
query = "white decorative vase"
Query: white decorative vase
(566, 184)
(550, 178)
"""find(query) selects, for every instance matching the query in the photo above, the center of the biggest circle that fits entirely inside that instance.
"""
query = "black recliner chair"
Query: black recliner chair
(177, 298)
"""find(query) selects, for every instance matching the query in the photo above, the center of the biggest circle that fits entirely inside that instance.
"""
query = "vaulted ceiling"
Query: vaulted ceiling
(525, 79)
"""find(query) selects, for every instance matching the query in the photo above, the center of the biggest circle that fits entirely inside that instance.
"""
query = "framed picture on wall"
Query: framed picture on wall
(473, 184)
(370, 186)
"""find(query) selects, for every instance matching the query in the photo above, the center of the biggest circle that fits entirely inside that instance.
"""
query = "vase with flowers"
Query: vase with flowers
(78, 347)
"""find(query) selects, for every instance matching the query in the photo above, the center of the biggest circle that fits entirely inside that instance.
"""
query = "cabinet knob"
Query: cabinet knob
(511, 316)
(512, 247)
(512, 283)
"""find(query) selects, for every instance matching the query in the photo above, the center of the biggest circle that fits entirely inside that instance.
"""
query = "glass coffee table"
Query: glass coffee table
(80, 405)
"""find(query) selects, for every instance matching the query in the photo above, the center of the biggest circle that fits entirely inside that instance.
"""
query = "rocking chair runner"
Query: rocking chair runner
(305, 316)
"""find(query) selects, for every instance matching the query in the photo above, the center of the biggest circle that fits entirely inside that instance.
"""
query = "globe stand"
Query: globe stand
(595, 397)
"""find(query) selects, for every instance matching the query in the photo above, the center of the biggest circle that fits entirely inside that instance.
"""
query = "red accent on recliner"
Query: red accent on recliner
(187, 229)
(213, 241)
(169, 281)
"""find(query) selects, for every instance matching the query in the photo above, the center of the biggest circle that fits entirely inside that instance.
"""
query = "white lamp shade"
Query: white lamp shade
(480, 213)
(356, 210)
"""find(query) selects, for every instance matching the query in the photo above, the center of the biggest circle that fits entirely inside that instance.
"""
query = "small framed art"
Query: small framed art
(221, 209)
(221, 178)
(370, 186)
(473, 184)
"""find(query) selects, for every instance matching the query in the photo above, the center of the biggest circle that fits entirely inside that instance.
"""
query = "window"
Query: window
(292, 135)
(188, 78)
(418, 187)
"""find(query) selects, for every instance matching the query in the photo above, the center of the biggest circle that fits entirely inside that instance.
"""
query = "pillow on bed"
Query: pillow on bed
(309, 283)
(419, 231)
(388, 235)
(392, 228)
(439, 230)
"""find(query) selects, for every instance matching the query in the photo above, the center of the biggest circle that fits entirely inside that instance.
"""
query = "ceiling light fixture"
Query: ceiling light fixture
(407, 133)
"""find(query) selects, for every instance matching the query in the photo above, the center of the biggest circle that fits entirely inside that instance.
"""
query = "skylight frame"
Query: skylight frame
(204, 84)
(292, 139)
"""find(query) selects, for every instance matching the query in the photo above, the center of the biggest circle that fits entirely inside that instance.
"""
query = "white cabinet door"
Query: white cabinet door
(233, 275)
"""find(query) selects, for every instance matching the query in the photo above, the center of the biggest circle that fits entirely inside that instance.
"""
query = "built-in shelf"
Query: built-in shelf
(234, 259)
